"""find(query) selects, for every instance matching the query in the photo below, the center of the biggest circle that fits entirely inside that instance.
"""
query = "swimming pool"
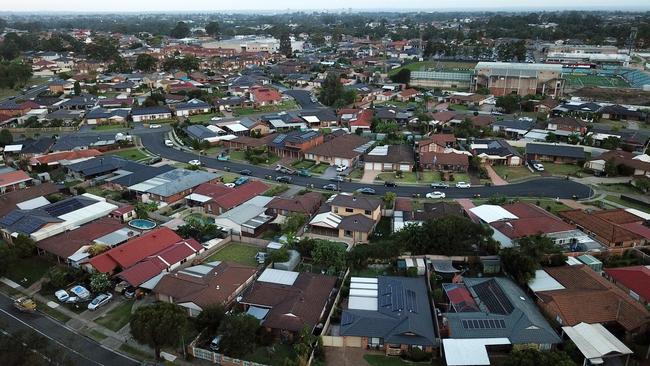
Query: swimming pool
(142, 224)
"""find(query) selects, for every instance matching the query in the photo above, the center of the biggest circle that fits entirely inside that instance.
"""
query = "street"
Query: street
(30, 94)
(78, 348)
(542, 187)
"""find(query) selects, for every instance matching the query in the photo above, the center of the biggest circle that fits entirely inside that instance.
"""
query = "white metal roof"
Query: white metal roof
(311, 119)
(274, 245)
(198, 197)
(363, 280)
(544, 282)
(572, 261)
(638, 213)
(13, 148)
(492, 213)
(326, 219)
(236, 127)
(364, 286)
(461, 352)
(363, 293)
(278, 276)
(595, 342)
(362, 303)
(33, 203)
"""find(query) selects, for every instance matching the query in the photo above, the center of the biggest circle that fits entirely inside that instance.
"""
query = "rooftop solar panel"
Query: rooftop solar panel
(491, 294)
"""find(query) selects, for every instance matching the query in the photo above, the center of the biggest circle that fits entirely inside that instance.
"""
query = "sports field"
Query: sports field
(583, 80)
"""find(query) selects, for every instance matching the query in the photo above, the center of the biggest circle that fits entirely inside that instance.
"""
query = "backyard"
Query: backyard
(117, 317)
(134, 154)
(236, 252)
(274, 355)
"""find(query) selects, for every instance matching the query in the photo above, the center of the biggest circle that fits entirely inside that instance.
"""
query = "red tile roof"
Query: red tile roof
(444, 116)
(124, 209)
(442, 139)
(531, 220)
(135, 250)
(241, 194)
(64, 155)
(635, 278)
(69, 242)
(15, 177)
(364, 118)
(212, 189)
(266, 95)
(444, 159)
(599, 223)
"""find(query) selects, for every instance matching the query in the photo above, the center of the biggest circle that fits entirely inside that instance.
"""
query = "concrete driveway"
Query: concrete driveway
(329, 173)
(369, 176)
(345, 356)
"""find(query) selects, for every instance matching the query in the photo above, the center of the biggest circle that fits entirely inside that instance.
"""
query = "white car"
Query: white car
(99, 301)
(62, 295)
(538, 166)
(195, 162)
(169, 143)
(155, 126)
(463, 185)
(216, 119)
(436, 195)
(230, 185)
(341, 168)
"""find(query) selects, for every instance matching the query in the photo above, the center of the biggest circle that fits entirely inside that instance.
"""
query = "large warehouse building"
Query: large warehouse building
(502, 78)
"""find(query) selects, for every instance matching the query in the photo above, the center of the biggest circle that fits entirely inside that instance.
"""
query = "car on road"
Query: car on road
(284, 179)
(536, 165)
(341, 168)
(337, 178)
(439, 185)
(223, 157)
(366, 190)
(155, 126)
(331, 187)
(245, 172)
(195, 162)
(304, 173)
(436, 195)
(389, 183)
(99, 301)
(284, 169)
(241, 180)
(62, 295)
(169, 143)
(463, 185)
(215, 119)
(155, 160)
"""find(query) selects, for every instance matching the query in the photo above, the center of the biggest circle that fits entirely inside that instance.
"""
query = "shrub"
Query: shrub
(417, 355)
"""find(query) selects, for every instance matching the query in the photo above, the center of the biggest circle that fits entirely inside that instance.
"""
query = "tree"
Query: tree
(209, 320)
(389, 198)
(145, 62)
(77, 88)
(238, 334)
(551, 137)
(532, 356)
(6, 138)
(611, 169)
(212, 29)
(158, 325)
(285, 43)
(449, 235)
(403, 76)
(102, 49)
(293, 222)
(329, 255)
(611, 143)
(508, 103)
(331, 89)
(100, 282)
(522, 261)
(573, 139)
(181, 30)
(24, 246)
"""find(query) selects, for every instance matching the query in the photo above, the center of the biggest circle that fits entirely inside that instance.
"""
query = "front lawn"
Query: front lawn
(512, 173)
(274, 356)
(548, 204)
(286, 105)
(561, 169)
(276, 190)
(229, 177)
(199, 118)
(379, 360)
(117, 317)
(319, 168)
(617, 199)
(303, 164)
(26, 271)
(406, 177)
(134, 154)
(236, 252)
(237, 155)
(356, 173)
(620, 188)
(109, 127)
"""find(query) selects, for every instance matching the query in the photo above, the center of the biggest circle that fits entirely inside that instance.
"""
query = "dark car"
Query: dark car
(155, 160)
(331, 187)
(366, 190)
(283, 179)
(245, 172)
(439, 185)
(337, 178)
(389, 183)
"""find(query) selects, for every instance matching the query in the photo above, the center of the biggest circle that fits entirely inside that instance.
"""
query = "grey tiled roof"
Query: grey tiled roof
(556, 150)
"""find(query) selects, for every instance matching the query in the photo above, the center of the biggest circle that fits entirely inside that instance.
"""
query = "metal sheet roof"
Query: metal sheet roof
(461, 352)
(278, 276)
(595, 342)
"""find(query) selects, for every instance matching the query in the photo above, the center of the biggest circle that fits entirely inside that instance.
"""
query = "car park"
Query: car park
(436, 195)
(331, 187)
(283, 179)
(245, 172)
(439, 185)
(463, 185)
(195, 162)
(366, 190)
(99, 301)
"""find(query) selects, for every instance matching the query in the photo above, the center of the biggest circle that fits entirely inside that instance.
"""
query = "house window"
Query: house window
(347, 233)
(336, 210)
(367, 212)
(349, 210)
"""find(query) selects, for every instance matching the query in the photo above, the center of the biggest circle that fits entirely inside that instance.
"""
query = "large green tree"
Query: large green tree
(402, 76)
(450, 235)
(530, 252)
(145, 62)
(238, 334)
(180, 30)
(6, 138)
(209, 320)
(531, 357)
(158, 325)
(212, 29)
(328, 254)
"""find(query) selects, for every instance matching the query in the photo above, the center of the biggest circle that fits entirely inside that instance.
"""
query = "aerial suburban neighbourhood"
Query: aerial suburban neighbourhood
(228, 184)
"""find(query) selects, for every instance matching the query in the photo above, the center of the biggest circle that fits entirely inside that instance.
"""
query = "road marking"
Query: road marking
(52, 304)
(9, 282)
(50, 338)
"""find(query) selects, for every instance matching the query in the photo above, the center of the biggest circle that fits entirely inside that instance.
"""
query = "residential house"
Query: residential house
(145, 114)
(348, 218)
(218, 198)
(639, 164)
(192, 107)
(618, 112)
(263, 96)
(442, 118)
(14, 180)
(614, 228)
(30, 197)
(294, 144)
(495, 152)
(356, 119)
(407, 95)
(172, 186)
(565, 126)
(204, 133)
(437, 143)
(576, 294)
(207, 284)
(404, 214)
(11, 108)
(306, 204)
(247, 219)
(555, 153)
(109, 116)
(468, 99)
(287, 302)
(392, 314)
(635, 280)
(339, 150)
(124, 213)
(318, 118)
(513, 128)
(390, 158)
(449, 162)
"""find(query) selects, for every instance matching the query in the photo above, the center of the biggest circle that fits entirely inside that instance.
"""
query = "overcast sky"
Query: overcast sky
(229, 5)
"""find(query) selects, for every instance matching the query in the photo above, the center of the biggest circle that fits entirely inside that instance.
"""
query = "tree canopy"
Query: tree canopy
(180, 30)
(212, 29)
(238, 334)
(333, 93)
(450, 235)
(402, 76)
(158, 325)
(145, 62)
(329, 255)
(522, 260)
(531, 356)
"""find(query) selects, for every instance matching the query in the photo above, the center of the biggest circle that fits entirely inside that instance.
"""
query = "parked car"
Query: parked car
(341, 168)
(241, 180)
(155, 160)
(155, 126)
(62, 295)
(81, 292)
(389, 183)
(284, 169)
(436, 195)
(366, 190)
(129, 292)
(331, 187)
(284, 179)
(100, 301)
(337, 178)
(245, 172)
(261, 257)
(304, 173)
(169, 143)
(439, 185)
(223, 157)
(214, 344)
(230, 185)
(463, 185)
(536, 165)
(195, 162)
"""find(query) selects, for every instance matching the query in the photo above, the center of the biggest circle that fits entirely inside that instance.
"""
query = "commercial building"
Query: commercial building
(503, 78)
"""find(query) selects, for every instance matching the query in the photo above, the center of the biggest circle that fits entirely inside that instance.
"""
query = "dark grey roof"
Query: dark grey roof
(30, 221)
(505, 312)
(497, 147)
(65, 114)
(357, 222)
(144, 172)
(192, 104)
(360, 202)
(515, 124)
(74, 141)
(293, 136)
(403, 315)
(576, 152)
(106, 113)
(104, 164)
(396, 154)
(150, 110)
(40, 146)
(199, 132)
(323, 114)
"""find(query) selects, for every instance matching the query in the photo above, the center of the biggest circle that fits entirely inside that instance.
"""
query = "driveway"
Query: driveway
(345, 356)
(494, 177)
(369, 176)
(303, 98)
(329, 173)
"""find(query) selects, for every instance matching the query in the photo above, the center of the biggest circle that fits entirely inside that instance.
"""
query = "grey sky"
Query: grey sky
(229, 5)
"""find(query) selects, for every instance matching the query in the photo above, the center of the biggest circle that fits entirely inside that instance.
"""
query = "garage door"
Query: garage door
(339, 161)
(388, 166)
(368, 166)
(404, 167)
(515, 161)
(353, 342)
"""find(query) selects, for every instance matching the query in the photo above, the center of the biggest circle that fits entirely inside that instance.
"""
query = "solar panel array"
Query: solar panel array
(308, 135)
(279, 138)
(483, 324)
(63, 207)
(394, 297)
(491, 294)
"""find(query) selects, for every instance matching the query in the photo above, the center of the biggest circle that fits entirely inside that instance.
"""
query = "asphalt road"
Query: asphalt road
(303, 97)
(30, 94)
(542, 187)
(79, 349)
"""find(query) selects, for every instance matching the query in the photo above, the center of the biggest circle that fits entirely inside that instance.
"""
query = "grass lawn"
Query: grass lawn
(458, 107)
(620, 188)
(303, 164)
(96, 335)
(428, 176)
(275, 357)
(459, 177)
(512, 173)
(407, 177)
(237, 155)
(319, 168)
(110, 127)
(356, 173)
(72, 183)
(229, 177)
(617, 199)
(134, 154)
(212, 151)
(28, 270)
(286, 105)
(379, 360)
(547, 203)
(236, 252)
(444, 65)
(52, 312)
(117, 317)
(561, 169)
(198, 216)
(276, 190)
